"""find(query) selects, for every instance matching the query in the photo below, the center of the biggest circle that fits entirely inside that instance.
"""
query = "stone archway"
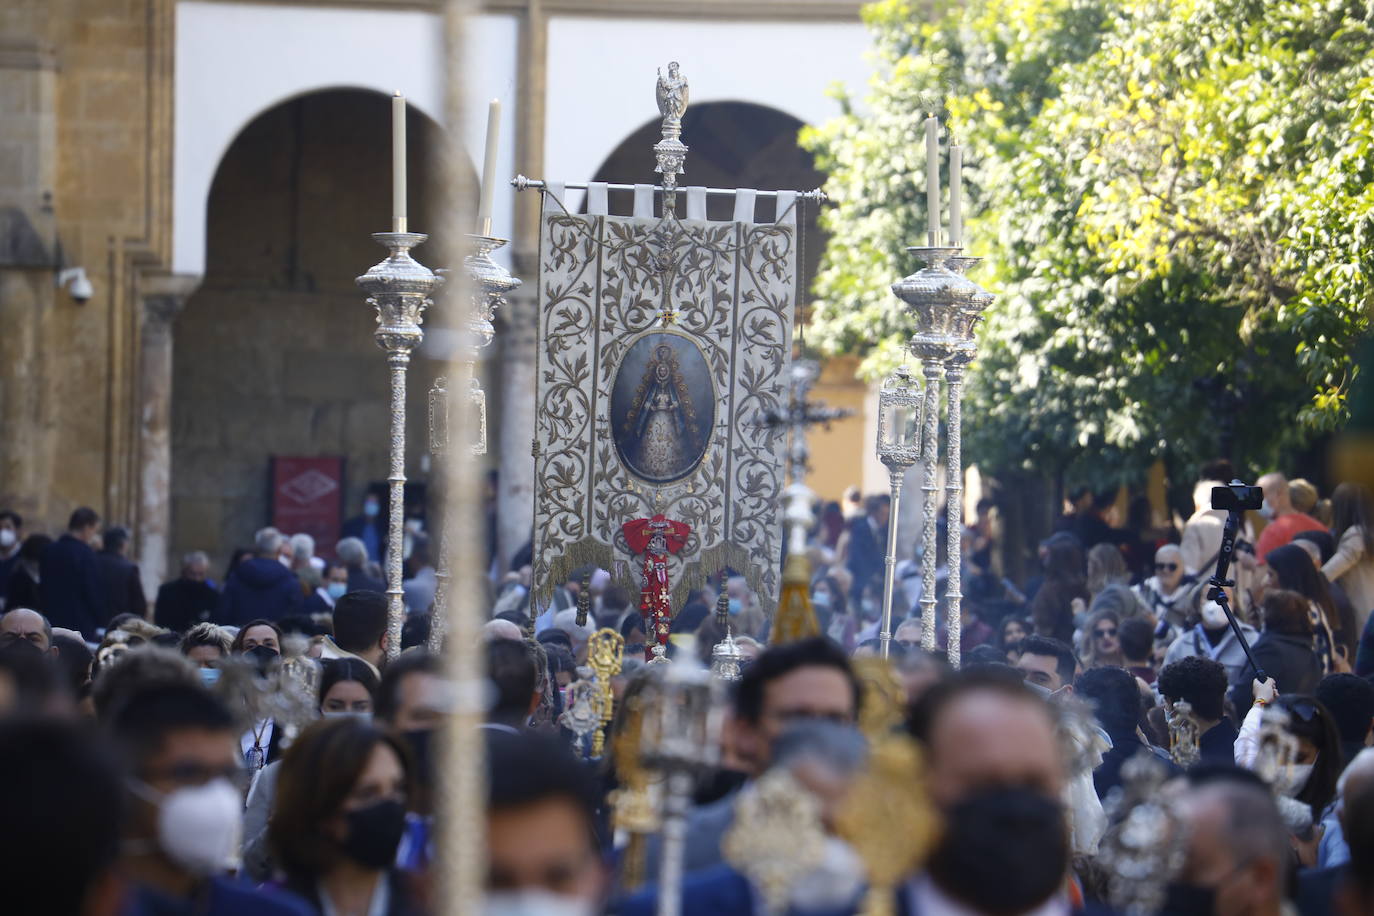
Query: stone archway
(274, 353)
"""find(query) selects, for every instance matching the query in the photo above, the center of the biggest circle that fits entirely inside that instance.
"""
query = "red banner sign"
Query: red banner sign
(307, 498)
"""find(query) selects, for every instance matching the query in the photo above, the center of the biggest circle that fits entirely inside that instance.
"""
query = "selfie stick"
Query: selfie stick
(1218, 594)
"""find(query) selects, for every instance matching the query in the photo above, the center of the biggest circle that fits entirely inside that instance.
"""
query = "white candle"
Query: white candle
(956, 196)
(398, 162)
(489, 168)
(933, 180)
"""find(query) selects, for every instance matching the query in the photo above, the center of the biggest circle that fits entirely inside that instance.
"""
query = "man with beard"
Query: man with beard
(995, 769)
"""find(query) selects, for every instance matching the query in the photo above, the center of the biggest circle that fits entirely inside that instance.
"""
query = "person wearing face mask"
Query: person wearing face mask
(11, 537)
(542, 851)
(1284, 520)
(259, 641)
(824, 759)
(24, 579)
(995, 769)
(1211, 636)
(1237, 857)
(71, 590)
(333, 586)
(412, 700)
(339, 817)
(207, 645)
(369, 528)
(348, 689)
(185, 808)
(1311, 776)
(260, 586)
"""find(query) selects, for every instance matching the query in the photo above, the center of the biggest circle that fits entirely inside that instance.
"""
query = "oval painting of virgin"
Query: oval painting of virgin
(663, 407)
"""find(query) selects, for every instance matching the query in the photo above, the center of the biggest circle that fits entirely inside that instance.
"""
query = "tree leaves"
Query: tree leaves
(1175, 203)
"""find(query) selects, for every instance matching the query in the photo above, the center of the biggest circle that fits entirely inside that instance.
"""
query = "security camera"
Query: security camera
(81, 288)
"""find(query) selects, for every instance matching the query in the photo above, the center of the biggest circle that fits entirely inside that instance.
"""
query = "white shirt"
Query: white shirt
(929, 900)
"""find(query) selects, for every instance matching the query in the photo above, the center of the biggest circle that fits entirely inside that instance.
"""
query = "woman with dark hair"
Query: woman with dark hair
(1352, 565)
(348, 689)
(259, 641)
(1012, 630)
(1290, 567)
(1311, 776)
(1284, 649)
(339, 817)
(1064, 591)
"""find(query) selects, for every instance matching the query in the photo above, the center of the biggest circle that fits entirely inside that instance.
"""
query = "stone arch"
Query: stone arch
(274, 354)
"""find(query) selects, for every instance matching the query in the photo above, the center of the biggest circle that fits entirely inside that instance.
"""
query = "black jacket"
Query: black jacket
(123, 585)
(1289, 660)
(183, 603)
(259, 587)
(1217, 745)
(72, 588)
(867, 550)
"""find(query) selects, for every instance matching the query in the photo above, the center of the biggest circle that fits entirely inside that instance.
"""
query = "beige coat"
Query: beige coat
(1353, 568)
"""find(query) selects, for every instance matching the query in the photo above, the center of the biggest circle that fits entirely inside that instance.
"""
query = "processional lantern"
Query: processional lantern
(899, 447)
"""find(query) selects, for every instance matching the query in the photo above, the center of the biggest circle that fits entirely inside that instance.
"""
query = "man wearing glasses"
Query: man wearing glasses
(183, 822)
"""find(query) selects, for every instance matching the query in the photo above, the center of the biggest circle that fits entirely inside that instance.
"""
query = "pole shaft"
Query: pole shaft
(930, 454)
(395, 540)
(890, 561)
(954, 511)
(674, 843)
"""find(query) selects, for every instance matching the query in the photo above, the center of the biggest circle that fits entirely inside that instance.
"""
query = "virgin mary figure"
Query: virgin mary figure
(663, 419)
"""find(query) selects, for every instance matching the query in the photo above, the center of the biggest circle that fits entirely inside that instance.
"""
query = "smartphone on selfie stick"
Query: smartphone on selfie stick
(1235, 498)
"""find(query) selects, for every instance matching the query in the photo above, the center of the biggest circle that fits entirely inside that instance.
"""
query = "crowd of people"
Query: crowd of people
(260, 747)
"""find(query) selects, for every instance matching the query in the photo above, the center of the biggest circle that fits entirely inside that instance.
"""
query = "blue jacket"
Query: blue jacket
(217, 897)
(259, 588)
(72, 588)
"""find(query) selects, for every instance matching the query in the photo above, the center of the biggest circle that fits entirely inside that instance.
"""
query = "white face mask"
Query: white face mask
(534, 902)
(1294, 779)
(1213, 616)
(199, 827)
(7, 538)
(346, 714)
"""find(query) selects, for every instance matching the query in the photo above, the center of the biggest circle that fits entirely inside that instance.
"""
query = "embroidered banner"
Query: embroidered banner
(661, 344)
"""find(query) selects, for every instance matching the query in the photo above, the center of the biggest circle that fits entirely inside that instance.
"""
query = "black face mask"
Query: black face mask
(262, 656)
(1189, 900)
(374, 833)
(1004, 851)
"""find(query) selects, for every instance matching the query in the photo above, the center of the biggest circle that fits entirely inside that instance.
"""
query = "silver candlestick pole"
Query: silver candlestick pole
(399, 287)
(490, 284)
(679, 738)
(899, 447)
(945, 306)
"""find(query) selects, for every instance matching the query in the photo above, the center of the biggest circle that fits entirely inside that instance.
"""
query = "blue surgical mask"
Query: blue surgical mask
(208, 676)
(371, 508)
(821, 599)
(736, 606)
(336, 590)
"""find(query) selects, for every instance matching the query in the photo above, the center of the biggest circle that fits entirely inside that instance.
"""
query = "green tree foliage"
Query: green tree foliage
(1174, 199)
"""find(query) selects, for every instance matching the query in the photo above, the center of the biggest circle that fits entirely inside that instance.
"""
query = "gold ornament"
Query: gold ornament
(795, 618)
(605, 656)
(1183, 734)
(884, 704)
(777, 836)
(633, 805)
(888, 819)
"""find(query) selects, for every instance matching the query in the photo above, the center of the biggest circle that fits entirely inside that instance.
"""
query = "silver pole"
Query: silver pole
(890, 561)
(930, 454)
(954, 508)
(399, 289)
(674, 842)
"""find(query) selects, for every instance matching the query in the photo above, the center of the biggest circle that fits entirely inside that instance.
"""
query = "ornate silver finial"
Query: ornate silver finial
(671, 94)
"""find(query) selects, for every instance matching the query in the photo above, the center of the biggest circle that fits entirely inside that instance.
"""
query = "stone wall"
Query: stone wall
(274, 354)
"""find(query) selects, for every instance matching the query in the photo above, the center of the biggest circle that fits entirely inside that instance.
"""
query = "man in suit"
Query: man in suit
(71, 585)
(868, 543)
(123, 585)
(188, 600)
